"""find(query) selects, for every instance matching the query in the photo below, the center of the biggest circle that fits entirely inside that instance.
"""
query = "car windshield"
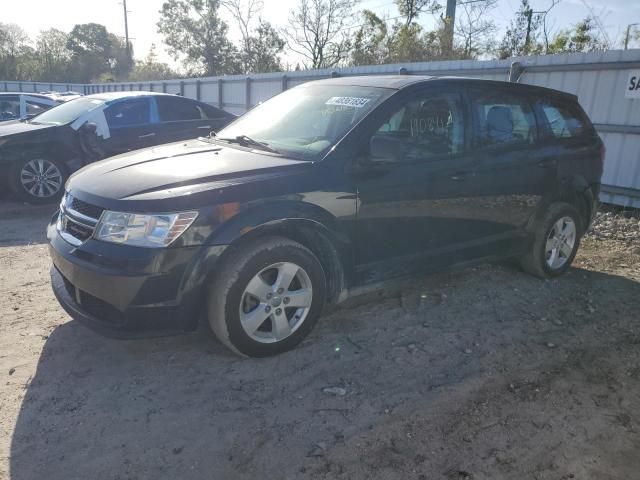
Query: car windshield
(304, 122)
(68, 112)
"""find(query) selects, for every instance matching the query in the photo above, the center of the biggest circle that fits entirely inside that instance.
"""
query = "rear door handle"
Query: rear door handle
(461, 175)
(549, 163)
(208, 127)
(147, 135)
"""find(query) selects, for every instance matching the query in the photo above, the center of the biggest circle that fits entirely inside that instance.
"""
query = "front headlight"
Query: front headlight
(157, 230)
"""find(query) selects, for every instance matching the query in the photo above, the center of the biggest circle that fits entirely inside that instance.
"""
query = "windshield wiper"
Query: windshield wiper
(248, 141)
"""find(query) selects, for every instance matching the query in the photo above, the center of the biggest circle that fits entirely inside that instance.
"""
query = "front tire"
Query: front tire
(38, 180)
(267, 297)
(556, 241)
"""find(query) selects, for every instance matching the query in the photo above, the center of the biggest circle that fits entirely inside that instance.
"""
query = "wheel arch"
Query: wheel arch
(309, 225)
(578, 193)
(575, 191)
(57, 151)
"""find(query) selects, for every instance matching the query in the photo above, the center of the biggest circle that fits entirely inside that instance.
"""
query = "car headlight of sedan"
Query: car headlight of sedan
(157, 230)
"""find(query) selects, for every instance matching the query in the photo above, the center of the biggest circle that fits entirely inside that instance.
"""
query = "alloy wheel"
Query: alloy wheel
(560, 243)
(276, 302)
(41, 178)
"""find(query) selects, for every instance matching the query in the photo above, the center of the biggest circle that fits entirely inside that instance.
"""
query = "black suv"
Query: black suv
(327, 187)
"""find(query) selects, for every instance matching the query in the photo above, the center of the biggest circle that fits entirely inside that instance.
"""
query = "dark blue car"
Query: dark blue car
(37, 155)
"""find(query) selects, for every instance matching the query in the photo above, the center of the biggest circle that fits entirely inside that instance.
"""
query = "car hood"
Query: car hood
(16, 127)
(174, 171)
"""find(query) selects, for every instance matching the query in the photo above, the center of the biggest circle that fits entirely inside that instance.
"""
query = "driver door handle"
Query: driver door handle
(208, 127)
(148, 135)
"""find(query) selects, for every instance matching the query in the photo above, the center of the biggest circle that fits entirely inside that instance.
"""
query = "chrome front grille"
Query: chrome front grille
(84, 208)
(77, 219)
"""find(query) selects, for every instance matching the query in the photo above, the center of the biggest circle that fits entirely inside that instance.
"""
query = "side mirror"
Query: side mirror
(385, 149)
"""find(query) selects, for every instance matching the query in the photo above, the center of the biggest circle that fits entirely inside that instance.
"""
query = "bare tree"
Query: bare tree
(244, 11)
(545, 25)
(260, 46)
(475, 28)
(317, 30)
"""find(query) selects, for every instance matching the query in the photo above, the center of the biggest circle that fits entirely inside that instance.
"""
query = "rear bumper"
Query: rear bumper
(129, 292)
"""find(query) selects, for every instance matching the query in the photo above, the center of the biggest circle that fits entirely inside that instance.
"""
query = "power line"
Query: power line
(596, 18)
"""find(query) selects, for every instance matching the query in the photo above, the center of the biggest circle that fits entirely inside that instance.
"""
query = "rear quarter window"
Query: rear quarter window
(34, 108)
(562, 120)
(213, 112)
(9, 107)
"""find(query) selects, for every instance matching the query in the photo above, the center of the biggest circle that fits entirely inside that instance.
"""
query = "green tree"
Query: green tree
(522, 35)
(17, 60)
(262, 50)
(407, 44)
(96, 53)
(582, 37)
(197, 35)
(53, 56)
(151, 69)
(369, 41)
(375, 43)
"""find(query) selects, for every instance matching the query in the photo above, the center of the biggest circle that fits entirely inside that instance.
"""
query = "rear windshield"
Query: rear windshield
(563, 120)
(68, 112)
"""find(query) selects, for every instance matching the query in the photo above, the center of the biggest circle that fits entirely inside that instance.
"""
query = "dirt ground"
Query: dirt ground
(485, 373)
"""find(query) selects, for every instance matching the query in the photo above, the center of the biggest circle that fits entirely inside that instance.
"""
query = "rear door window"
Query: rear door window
(127, 113)
(503, 119)
(561, 120)
(178, 109)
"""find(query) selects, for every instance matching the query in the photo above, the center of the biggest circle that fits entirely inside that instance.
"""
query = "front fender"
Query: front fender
(316, 228)
(280, 212)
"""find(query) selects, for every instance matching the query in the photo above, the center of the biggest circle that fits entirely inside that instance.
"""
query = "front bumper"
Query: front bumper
(124, 292)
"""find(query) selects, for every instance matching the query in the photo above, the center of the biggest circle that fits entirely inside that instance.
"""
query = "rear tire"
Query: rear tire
(38, 180)
(556, 241)
(266, 297)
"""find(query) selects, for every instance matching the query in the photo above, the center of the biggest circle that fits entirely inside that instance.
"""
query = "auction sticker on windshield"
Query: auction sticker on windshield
(355, 102)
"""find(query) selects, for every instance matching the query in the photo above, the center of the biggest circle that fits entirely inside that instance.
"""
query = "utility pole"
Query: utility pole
(527, 39)
(449, 21)
(529, 14)
(126, 30)
(626, 37)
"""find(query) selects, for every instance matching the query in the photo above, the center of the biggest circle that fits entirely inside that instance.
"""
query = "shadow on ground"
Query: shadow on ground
(23, 224)
(412, 372)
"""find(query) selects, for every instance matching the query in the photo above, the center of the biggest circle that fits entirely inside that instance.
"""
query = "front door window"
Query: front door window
(424, 128)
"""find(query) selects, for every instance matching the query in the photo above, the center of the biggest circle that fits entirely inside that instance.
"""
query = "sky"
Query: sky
(37, 15)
